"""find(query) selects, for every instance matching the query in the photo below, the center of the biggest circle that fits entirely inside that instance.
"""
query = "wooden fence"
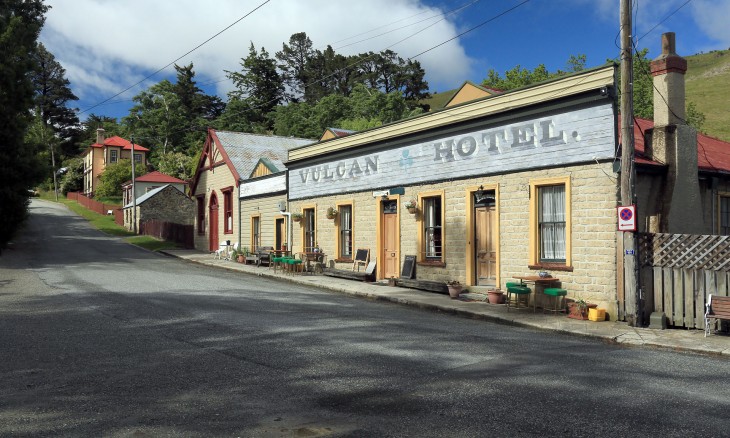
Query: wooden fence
(680, 271)
(182, 234)
(98, 207)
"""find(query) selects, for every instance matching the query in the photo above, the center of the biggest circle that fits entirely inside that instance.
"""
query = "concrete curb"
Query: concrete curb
(617, 333)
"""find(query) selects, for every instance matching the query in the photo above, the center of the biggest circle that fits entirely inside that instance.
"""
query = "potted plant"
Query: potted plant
(454, 288)
(331, 213)
(496, 296)
(296, 217)
(240, 256)
(411, 206)
(578, 309)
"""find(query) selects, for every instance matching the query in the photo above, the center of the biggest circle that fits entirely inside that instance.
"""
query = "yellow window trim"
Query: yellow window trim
(469, 256)
(419, 222)
(534, 247)
(338, 204)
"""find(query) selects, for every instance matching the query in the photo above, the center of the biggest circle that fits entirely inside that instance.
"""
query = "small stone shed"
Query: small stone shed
(166, 203)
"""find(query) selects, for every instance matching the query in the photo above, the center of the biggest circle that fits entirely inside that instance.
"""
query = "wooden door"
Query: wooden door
(213, 221)
(280, 230)
(390, 243)
(486, 250)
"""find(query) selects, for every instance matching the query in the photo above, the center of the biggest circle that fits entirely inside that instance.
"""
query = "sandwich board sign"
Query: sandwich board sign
(626, 218)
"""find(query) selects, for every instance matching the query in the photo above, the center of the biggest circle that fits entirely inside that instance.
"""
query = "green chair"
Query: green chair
(520, 291)
(277, 262)
(556, 294)
(293, 264)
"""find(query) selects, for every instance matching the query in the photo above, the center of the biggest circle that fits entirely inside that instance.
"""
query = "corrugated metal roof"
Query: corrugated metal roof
(245, 150)
(160, 177)
(148, 195)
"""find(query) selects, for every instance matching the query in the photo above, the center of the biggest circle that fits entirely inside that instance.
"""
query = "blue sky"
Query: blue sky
(107, 46)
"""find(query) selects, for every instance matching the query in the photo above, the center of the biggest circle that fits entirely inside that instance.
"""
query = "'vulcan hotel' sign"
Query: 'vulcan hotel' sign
(570, 137)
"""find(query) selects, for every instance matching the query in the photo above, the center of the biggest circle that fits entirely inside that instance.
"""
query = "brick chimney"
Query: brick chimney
(100, 135)
(674, 143)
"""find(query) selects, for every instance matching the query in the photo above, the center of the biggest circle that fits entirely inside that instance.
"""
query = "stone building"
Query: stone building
(166, 204)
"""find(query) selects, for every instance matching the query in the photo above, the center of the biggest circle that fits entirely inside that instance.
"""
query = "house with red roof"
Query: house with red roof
(148, 182)
(108, 151)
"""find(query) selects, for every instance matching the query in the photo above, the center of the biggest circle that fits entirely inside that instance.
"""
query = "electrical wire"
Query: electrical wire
(179, 58)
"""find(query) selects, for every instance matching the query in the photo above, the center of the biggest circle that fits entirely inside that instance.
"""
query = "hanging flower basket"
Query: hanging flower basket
(412, 206)
(331, 213)
(296, 217)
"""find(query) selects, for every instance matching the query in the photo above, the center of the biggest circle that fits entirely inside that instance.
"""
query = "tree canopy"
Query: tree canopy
(20, 25)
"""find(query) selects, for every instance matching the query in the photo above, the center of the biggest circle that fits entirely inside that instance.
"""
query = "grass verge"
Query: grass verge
(107, 225)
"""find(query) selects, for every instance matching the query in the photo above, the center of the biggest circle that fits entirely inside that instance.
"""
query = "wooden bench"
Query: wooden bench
(717, 308)
(263, 255)
(350, 275)
(431, 286)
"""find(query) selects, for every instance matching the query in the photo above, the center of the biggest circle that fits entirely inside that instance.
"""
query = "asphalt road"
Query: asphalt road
(100, 338)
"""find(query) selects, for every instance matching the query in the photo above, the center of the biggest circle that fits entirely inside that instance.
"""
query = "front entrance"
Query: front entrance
(485, 239)
(390, 239)
(213, 221)
(280, 233)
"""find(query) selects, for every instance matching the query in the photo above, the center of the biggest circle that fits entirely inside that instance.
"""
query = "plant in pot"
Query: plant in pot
(454, 288)
(578, 309)
(496, 296)
(240, 256)
(411, 206)
(296, 217)
(331, 213)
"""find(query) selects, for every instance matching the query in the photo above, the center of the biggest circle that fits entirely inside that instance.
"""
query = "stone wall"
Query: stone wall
(594, 197)
(169, 205)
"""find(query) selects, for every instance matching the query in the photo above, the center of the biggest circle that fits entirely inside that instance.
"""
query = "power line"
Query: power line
(179, 58)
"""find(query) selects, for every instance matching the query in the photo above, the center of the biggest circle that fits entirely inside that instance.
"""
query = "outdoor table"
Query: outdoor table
(537, 280)
(314, 257)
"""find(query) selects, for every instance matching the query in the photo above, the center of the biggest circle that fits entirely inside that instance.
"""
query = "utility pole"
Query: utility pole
(628, 171)
(134, 194)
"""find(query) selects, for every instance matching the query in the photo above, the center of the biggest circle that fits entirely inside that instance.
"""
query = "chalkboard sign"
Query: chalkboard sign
(408, 267)
(370, 268)
(362, 255)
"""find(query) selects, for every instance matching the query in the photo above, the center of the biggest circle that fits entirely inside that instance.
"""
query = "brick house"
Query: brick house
(104, 152)
(229, 158)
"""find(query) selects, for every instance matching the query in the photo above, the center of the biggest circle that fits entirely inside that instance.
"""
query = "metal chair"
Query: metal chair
(555, 294)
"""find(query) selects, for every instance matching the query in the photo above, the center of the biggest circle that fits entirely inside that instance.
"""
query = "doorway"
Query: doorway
(389, 238)
(280, 233)
(485, 238)
(213, 228)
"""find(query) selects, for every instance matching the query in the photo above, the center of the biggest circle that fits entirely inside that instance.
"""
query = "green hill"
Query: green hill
(707, 86)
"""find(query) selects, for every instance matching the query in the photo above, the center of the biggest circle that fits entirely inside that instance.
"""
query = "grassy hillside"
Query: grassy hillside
(708, 87)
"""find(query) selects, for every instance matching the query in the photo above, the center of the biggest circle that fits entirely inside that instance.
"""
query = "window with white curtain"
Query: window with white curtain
(345, 231)
(551, 223)
(432, 228)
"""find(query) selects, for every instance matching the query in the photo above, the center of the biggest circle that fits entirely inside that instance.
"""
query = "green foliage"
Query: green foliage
(20, 24)
(52, 95)
(177, 164)
(519, 77)
(73, 179)
(116, 174)
(259, 87)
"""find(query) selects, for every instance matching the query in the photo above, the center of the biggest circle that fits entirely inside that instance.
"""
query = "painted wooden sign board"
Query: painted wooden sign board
(409, 265)
(370, 268)
(560, 138)
(626, 218)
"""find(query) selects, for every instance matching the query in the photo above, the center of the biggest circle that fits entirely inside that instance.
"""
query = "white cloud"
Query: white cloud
(712, 16)
(107, 45)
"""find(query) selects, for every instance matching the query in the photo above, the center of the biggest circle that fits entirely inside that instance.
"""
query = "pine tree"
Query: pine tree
(20, 25)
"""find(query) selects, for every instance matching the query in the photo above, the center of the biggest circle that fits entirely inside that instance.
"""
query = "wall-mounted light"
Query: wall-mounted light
(385, 197)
